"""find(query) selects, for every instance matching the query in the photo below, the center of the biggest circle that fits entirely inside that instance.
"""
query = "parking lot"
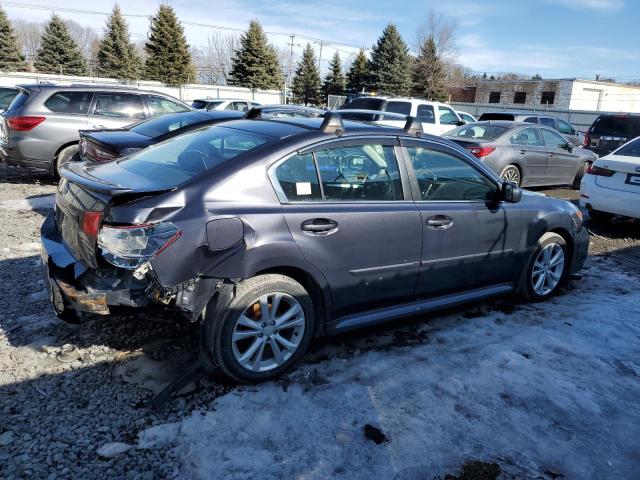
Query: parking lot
(543, 390)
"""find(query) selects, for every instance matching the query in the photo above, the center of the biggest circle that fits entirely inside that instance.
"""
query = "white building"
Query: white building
(559, 94)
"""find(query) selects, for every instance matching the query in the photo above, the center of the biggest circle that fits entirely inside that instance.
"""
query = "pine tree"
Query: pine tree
(429, 73)
(334, 82)
(11, 58)
(390, 64)
(168, 57)
(117, 56)
(358, 75)
(58, 52)
(306, 82)
(255, 63)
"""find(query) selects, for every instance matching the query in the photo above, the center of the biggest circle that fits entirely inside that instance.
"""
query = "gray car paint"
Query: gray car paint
(382, 262)
(39, 147)
(539, 165)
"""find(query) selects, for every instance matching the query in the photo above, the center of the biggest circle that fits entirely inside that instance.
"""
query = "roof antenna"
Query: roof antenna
(413, 126)
(332, 123)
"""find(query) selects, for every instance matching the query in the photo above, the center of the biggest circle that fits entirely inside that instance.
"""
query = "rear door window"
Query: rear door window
(526, 137)
(119, 105)
(426, 114)
(566, 128)
(298, 179)
(548, 122)
(160, 105)
(403, 108)
(69, 102)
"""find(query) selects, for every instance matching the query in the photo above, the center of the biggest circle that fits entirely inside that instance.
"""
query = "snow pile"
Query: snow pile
(36, 202)
(549, 387)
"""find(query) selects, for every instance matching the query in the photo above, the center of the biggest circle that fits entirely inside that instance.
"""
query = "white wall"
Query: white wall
(186, 93)
(600, 96)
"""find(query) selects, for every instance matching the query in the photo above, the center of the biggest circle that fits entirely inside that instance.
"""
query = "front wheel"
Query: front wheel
(548, 267)
(265, 330)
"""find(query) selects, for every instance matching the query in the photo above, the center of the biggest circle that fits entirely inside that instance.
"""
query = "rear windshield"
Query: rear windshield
(631, 149)
(497, 116)
(158, 126)
(477, 131)
(6, 96)
(403, 108)
(616, 126)
(184, 157)
(19, 100)
(364, 103)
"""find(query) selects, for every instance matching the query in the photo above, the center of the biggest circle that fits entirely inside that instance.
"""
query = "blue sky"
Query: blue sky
(555, 38)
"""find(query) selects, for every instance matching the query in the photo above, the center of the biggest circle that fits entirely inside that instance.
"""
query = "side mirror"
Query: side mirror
(459, 123)
(568, 147)
(511, 193)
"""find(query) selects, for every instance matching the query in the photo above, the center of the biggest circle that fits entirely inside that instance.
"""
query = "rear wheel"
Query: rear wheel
(548, 267)
(64, 156)
(265, 330)
(511, 173)
(581, 171)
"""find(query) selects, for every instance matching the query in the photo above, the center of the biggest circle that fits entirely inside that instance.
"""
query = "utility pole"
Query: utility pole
(322, 44)
(288, 81)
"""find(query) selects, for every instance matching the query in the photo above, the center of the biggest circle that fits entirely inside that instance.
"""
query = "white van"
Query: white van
(436, 117)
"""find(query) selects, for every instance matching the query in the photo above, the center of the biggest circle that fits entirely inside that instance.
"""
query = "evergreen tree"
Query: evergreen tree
(117, 56)
(429, 73)
(484, 76)
(306, 82)
(11, 58)
(334, 82)
(255, 63)
(168, 57)
(358, 75)
(58, 53)
(390, 64)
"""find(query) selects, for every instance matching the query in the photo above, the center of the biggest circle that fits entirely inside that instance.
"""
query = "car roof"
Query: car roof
(91, 87)
(504, 123)
(391, 115)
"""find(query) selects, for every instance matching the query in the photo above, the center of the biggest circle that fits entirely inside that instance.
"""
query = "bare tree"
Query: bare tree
(29, 35)
(443, 31)
(85, 37)
(214, 60)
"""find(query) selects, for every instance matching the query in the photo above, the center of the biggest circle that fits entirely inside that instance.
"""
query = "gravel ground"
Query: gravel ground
(74, 397)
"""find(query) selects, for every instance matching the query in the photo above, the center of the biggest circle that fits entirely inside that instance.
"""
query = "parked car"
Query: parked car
(7, 94)
(466, 117)
(610, 131)
(567, 130)
(272, 231)
(40, 129)
(236, 104)
(109, 144)
(612, 184)
(374, 117)
(437, 118)
(525, 154)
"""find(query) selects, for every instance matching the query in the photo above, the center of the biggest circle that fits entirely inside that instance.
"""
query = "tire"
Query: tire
(581, 171)
(65, 155)
(246, 304)
(512, 174)
(554, 277)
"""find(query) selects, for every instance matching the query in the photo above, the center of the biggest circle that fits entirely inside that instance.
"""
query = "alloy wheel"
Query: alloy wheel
(548, 269)
(268, 332)
(511, 175)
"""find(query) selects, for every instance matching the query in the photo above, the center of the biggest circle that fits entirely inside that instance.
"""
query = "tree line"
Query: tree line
(250, 61)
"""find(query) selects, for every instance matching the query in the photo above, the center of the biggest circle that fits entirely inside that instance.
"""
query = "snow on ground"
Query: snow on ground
(34, 202)
(541, 389)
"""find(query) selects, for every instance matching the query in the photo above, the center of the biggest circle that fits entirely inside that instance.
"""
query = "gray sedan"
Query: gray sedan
(525, 154)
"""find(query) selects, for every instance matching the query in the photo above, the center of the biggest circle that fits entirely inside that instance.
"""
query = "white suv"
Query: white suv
(236, 104)
(436, 117)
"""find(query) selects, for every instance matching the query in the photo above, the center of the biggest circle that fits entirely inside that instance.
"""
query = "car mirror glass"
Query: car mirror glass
(511, 193)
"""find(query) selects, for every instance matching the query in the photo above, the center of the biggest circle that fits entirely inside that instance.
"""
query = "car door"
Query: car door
(563, 163)
(116, 109)
(447, 119)
(469, 237)
(160, 105)
(358, 225)
(531, 154)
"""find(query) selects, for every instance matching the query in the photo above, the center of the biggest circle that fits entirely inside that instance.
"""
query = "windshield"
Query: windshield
(184, 157)
(477, 131)
(158, 126)
(365, 103)
(497, 116)
(631, 149)
(616, 126)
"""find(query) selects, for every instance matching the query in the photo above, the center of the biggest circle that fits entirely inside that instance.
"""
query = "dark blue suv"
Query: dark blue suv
(272, 231)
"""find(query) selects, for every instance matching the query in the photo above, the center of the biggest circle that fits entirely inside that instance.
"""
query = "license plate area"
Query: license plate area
(633, 179)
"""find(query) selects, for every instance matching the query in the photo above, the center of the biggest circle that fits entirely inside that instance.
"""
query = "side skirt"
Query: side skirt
(374, 317)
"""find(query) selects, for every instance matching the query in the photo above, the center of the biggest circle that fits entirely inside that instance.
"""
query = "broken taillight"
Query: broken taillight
(132, 245)
(91, 223)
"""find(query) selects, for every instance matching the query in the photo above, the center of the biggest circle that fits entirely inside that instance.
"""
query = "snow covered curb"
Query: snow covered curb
(548, 387)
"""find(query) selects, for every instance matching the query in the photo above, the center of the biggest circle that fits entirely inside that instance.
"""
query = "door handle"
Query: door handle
(439, 222)
(523, 152)
(319, 226)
